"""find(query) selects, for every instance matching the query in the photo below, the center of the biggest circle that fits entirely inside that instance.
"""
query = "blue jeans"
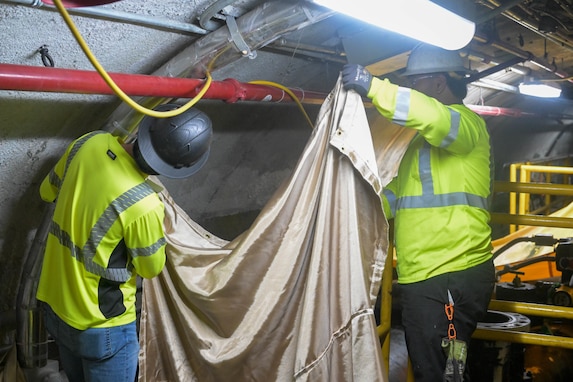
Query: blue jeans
(95, 354)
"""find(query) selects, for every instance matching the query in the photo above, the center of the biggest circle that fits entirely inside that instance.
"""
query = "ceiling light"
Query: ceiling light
(539, 89)
(422, 20)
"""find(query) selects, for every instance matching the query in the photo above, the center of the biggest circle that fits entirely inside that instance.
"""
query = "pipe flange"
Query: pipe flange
(505, 321)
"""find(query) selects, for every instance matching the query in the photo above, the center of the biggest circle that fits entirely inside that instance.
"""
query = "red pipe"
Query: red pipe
(494, 111)
(46, 79)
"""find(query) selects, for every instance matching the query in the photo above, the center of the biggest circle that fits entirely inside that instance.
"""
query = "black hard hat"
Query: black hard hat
(175, 147)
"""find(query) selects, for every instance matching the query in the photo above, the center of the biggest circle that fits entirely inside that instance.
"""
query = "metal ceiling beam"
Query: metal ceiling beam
(504, 65)
(525, 55)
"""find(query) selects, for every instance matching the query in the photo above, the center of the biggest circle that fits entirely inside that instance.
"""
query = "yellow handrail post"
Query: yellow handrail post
(522, 177)
(386, 301)
(512, 195)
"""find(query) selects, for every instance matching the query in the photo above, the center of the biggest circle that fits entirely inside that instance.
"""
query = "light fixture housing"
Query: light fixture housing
(540, 89)
(421, 20)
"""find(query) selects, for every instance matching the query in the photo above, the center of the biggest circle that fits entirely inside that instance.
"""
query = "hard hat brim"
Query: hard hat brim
(154, 161)
(430, 59)
(414, 72)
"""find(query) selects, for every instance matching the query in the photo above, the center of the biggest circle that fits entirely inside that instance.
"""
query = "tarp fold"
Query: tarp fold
(290, 299)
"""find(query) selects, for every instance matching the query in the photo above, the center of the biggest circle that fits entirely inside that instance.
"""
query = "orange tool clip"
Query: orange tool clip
(449, 308)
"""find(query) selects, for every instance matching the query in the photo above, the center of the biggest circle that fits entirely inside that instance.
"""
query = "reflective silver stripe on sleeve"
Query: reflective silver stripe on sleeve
(104, 223)
(54, 179)
(86, 255)
(77, 146)
(454, 129)
(402, 106)
(148, 251)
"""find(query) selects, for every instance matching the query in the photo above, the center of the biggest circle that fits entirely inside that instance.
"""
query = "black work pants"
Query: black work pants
(424, 318)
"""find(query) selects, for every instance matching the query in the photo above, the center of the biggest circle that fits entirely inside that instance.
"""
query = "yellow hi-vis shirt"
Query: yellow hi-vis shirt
(107, 227)
(440, 197)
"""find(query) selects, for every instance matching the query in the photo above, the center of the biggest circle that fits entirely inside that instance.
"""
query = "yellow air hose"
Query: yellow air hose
(124, 97)
(158, 114)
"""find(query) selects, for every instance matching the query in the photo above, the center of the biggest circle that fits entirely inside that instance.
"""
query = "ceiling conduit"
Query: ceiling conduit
(117, 16)
(257, 28)
(525, 55)
(556, 38)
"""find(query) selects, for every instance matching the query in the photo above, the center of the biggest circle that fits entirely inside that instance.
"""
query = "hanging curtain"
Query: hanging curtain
(290, 299)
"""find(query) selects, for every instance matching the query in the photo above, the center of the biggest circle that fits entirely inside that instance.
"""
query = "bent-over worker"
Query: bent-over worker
(107, 228)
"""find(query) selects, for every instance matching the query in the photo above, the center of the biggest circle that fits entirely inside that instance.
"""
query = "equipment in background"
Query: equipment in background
(501, 361)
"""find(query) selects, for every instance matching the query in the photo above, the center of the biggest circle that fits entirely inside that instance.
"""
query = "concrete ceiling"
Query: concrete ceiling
(256, 144)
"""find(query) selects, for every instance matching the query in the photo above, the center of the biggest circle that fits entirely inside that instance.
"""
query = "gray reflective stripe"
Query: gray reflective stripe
(391, 197)
(425, 169)
(66, 241)
(54, 179)
(443, 200)
(148, 251)
(107, 219)
(454, 129)
(104, 223)
(491, 177)
(429, 199)
(402, 106)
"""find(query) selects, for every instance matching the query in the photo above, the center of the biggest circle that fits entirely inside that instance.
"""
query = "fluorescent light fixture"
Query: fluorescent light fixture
(421, 20)
(539, 89)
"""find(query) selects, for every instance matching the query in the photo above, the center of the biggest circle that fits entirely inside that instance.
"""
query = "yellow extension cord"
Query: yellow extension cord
(124, 97)
(290, 93)
(113, 85)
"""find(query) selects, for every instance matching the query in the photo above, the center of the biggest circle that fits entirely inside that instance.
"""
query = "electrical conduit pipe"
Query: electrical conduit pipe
(44, 79)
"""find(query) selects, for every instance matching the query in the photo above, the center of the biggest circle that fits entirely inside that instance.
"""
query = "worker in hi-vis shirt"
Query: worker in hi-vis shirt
(439, 201)
(107, 228)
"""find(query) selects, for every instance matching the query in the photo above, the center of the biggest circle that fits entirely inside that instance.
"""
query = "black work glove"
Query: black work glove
(356, 77)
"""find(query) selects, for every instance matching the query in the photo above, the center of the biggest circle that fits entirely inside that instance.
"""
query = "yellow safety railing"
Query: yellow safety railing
(525, 171)
(531, 309)
(386, 303)
(532, 220)
(524, 188)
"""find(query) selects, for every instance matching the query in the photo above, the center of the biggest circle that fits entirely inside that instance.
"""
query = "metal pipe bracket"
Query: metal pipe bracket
(237, 38)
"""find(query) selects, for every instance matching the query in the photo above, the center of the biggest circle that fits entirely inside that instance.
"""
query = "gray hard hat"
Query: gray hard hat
(175, 147)
(425, 59)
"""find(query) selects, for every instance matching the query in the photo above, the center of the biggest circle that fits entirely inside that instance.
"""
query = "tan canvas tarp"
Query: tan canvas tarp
(292, 298)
